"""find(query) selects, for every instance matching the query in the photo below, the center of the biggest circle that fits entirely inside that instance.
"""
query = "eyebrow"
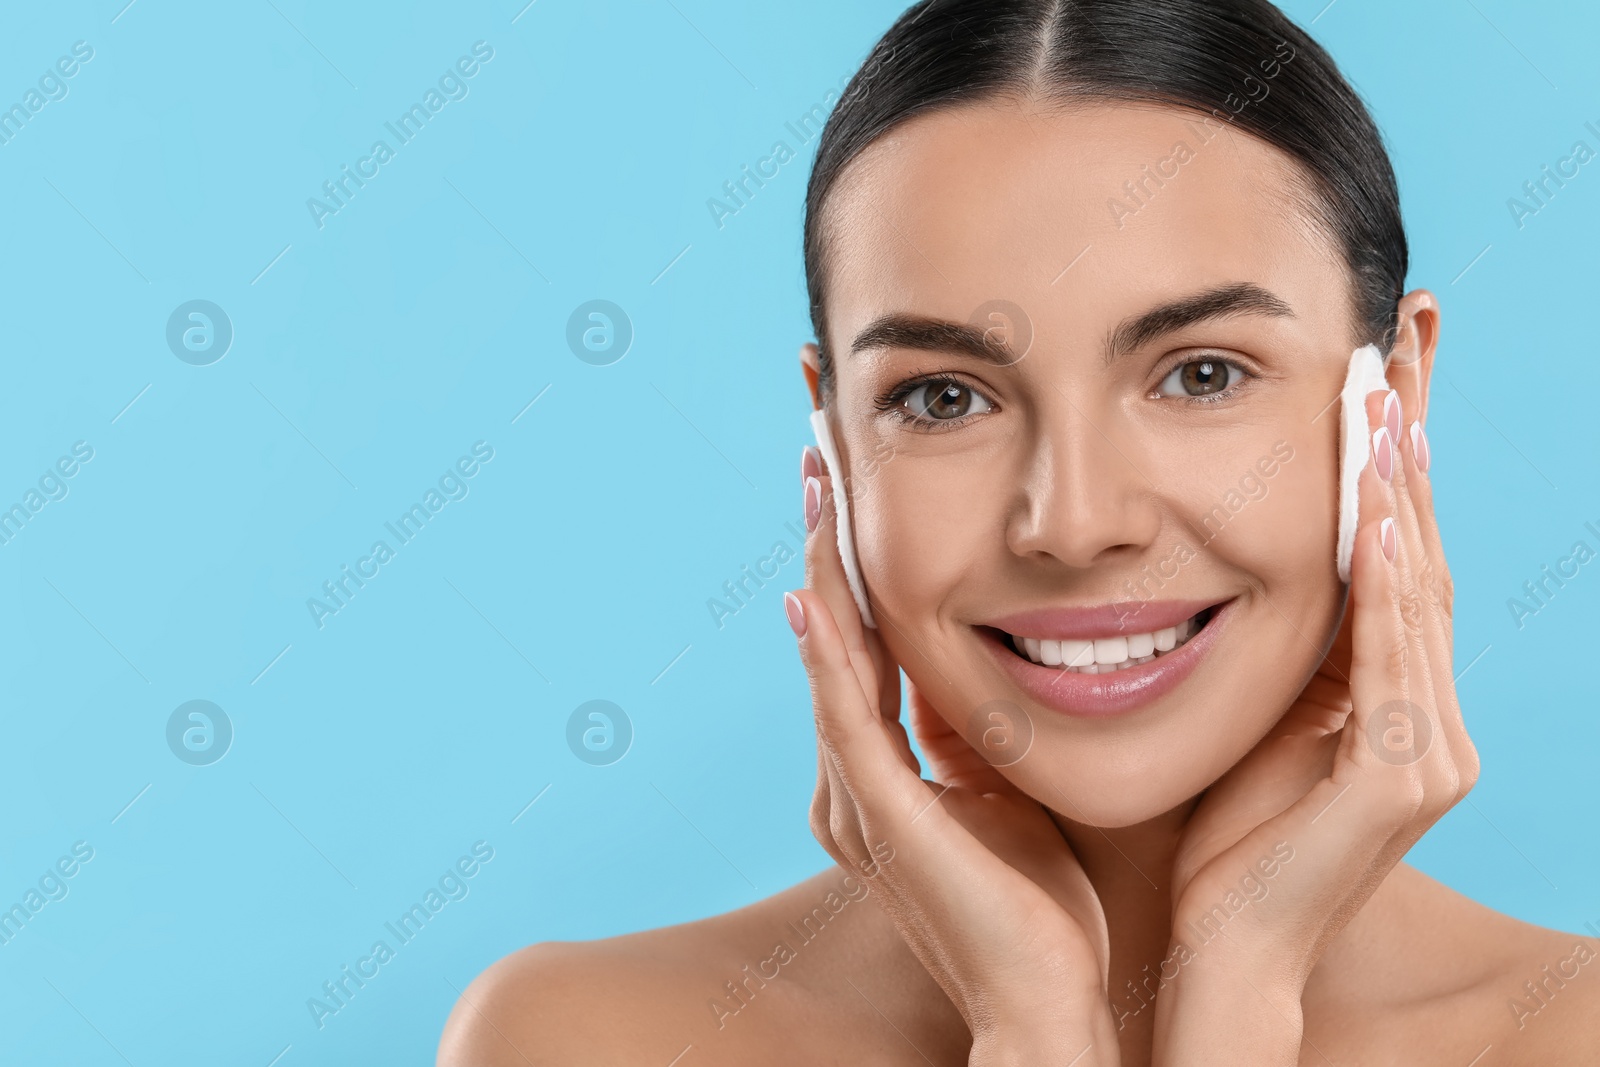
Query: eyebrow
(905, 330)
(1237, 298)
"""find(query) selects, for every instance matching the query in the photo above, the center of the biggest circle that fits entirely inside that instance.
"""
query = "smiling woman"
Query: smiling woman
(1163, 820)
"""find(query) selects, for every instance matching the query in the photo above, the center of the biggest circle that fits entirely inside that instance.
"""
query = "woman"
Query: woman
(1086, 277)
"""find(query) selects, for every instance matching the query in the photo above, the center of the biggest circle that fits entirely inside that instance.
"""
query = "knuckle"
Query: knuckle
(1443, 793)
(1408, 797)
(1411, 610)
(1467, 770)
(821, 803)
(841, 828)
(1436, 587)
(1397, 657)
(1398, 800)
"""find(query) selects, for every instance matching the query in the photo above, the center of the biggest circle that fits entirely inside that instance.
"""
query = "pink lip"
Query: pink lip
(1103, 695)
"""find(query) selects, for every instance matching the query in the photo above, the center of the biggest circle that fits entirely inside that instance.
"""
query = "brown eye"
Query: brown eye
(1200, 377)
(944, 401)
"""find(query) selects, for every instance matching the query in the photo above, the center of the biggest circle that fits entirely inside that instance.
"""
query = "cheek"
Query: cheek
(1287, 535)
(1241, 502)
(1284, 541)
(921, 526)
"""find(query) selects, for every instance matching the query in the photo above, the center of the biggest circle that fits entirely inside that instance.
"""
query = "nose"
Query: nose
(1083, 498)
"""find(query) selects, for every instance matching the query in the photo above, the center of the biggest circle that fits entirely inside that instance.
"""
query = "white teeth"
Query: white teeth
(1105, 654)
(1112, 650)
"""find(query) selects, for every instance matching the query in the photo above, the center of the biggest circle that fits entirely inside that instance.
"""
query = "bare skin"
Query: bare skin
(1421, 976)
(1063, 477)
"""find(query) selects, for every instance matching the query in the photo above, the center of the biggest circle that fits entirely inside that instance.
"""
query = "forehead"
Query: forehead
(1080, 215)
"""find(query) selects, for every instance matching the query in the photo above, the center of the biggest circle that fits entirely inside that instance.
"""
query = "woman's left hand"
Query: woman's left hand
(1287, 846)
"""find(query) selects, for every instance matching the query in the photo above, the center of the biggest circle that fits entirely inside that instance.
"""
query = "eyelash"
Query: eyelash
(1209, 398)
(893, 403)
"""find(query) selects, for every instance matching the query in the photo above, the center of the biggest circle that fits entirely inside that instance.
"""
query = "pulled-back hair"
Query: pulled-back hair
(1214, 57)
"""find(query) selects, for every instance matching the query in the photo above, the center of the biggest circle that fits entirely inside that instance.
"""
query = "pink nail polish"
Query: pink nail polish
(810, 463)
(1391, 414)
(1419, 446)
(1386, 538)
(796, 613)
(1383, 453)
(813, 503)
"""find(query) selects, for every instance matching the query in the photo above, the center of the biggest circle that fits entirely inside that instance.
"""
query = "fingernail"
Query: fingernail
(810, 463)
(796, 613)
(1391, 414)
(1382, 453)
(1419, 446)
(1385, 538)
(813, 503)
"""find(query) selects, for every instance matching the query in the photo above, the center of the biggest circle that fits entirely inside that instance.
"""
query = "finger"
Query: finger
(1430, 684)
(1418, 459)
(835, 820)
(822, 796)
(812, 465)
(879, 675)
(1424, 613)
(1382, 657)
(862, 750)
(1434, 585)
(825, 575)
(1384, 416)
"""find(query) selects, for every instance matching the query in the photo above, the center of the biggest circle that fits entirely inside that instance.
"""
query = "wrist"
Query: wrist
(1228, 1019)
(1081, 1034)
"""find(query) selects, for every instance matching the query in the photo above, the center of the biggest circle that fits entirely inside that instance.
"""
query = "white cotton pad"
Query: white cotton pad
(841, 503)
(1355, 448)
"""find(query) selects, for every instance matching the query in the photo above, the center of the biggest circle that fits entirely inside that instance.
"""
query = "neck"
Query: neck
(1130, 868)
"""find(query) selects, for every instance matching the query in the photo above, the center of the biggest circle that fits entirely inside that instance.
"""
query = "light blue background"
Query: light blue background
(425, 316)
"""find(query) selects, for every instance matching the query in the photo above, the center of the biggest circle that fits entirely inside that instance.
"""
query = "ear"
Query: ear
(812, 369)
(1410, 360)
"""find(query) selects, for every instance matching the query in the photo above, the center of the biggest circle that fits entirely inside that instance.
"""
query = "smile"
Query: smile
(1101, 655)
(1091, 662)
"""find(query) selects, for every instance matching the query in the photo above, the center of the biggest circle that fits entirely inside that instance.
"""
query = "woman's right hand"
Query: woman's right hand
(973, 872)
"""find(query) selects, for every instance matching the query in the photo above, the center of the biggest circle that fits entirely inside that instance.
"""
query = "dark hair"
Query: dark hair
(1200, 55)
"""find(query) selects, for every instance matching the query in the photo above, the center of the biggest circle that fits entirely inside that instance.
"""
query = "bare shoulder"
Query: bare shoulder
(750, 985)
(562, 1003)
(1546, 996)
(1432, 976)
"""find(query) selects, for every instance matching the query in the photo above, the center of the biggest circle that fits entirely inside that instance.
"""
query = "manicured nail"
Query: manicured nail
(796, 613)
(813, 503)
(1383, 453)
(1419, 446)
(810, 463)
(1385, 538)
(1391, 414)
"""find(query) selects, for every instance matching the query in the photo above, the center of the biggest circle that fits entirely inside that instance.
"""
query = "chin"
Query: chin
(1142, 785)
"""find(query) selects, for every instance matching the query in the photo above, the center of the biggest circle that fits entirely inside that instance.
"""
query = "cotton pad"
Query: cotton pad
(841, 526)
(1365, 375)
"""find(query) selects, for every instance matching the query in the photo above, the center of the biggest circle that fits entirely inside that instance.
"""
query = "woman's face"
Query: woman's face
(1148, 430)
